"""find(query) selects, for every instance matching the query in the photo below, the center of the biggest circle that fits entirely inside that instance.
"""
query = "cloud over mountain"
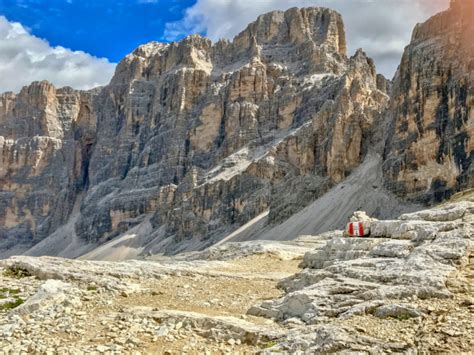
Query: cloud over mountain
(25, 58)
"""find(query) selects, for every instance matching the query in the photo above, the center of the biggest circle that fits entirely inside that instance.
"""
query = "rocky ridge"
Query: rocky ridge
(407, 288)
(190, 140)
(430, 148)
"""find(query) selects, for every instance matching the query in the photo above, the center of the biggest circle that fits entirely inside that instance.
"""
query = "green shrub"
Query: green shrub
(11, 305)
(15, 272)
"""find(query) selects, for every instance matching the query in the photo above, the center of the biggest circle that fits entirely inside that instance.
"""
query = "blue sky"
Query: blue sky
(78, 42)
(103, 28)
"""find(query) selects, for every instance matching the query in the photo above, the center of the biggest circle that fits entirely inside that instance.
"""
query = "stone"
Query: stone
(189, 141)
(361, 216)
(397, 311)
(102, 348)
(429, 147)
(162, 331)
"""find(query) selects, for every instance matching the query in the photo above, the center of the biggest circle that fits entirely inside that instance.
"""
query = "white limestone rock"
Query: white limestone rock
(350, 275)
(50, 294)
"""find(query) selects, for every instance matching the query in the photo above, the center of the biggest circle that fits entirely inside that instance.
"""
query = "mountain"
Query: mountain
(430, 147)
(192, 140)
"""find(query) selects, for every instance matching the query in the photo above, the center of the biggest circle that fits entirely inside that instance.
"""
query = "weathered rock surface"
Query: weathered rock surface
(431, 146)
(407, 289)
(45, 139)
(403, 260)
(51, 293)
(190, 139)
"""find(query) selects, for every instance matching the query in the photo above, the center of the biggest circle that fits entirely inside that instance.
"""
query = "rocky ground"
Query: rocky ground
(408, 288)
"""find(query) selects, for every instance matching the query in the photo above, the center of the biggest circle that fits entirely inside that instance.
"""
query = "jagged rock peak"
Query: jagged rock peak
(319, 25)
(431, 148)
(307, 40)
(297, 25)
(457, 18)
(149, 49)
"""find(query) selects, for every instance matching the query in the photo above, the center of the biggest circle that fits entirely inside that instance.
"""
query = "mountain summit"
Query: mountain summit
(192, 140)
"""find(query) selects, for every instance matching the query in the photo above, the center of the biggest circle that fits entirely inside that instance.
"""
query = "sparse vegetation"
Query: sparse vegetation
(11, 305)
(16, 273)
(271, 344)
(4, 291)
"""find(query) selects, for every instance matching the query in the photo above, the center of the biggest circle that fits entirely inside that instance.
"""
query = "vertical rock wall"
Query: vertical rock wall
(431, 146)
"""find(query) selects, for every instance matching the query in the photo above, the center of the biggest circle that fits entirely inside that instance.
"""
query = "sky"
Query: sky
(78, 42)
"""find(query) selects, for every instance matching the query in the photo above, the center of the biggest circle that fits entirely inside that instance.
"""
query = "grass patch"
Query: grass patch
(15, 272)
(4, 291)
(270, 344)
(9, 290)
(11, 305)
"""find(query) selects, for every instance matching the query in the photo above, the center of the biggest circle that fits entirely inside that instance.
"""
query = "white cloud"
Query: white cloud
(381, 27)
(25, 58)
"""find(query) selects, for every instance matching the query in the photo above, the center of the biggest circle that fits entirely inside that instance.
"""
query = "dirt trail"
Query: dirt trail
(198, 303)
(246, 281)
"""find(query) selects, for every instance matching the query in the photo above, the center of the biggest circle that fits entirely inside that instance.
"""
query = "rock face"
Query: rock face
(193, 137)
(406, 289)
(431, 146)
(45, 140)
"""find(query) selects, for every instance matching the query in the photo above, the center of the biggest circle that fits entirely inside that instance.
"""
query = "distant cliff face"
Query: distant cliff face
(200, 136)
(45, 136)
(191, 140)
(431, 144)
(194, 137)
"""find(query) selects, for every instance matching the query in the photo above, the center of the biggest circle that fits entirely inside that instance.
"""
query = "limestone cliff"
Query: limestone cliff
(193, 139)
(202, 131)
(431, 146)
(45, 139)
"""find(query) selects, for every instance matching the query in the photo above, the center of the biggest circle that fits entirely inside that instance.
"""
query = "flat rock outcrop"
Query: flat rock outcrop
(406, 289)
(404, 265)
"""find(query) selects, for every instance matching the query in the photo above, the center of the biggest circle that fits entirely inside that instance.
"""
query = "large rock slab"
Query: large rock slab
(50, 294)
(351, 276)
